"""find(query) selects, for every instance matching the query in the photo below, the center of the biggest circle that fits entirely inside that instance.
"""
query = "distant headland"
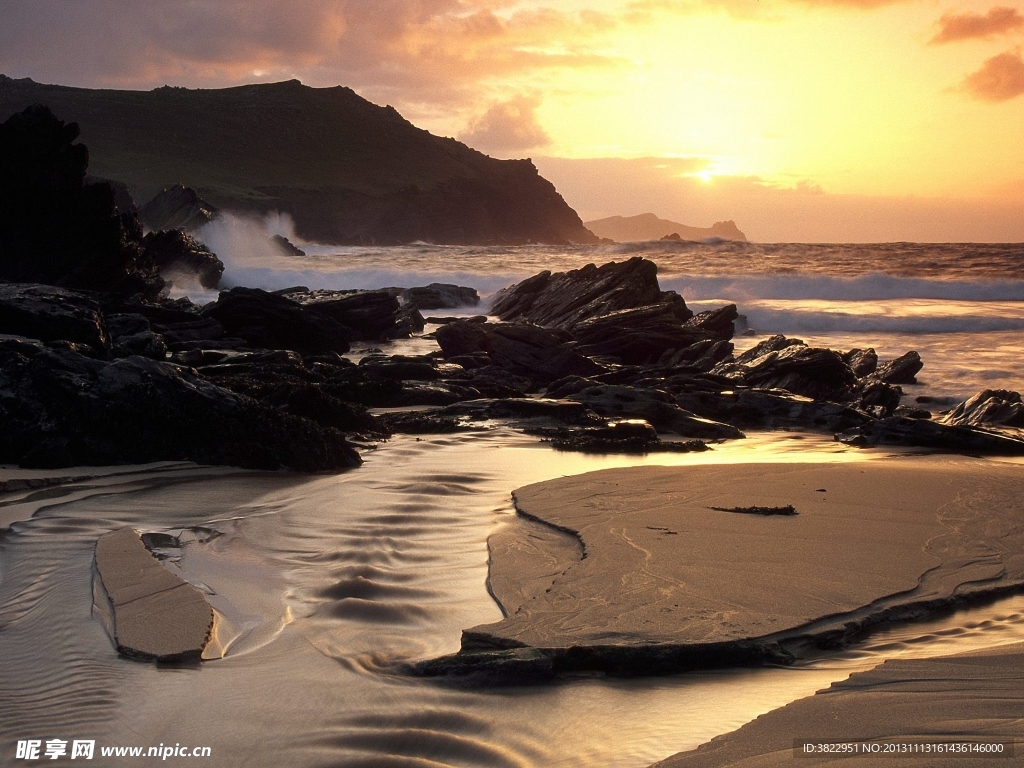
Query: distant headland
(346, 170)
(647, 226)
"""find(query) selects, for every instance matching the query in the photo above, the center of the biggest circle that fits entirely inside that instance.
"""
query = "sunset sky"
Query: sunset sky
(822, 120)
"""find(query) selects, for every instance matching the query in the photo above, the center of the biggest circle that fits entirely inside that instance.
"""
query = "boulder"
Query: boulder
(177, 207)
(441, 296)
(636, 336)
(900, 430)
(862, 362)
(715, 323)
(173, 251)
(59, 408)
(656, 407)
(809, 371)
(902, 370)
(54, 228)
(286, 246)
(131, 334)
(49, 313)
(539, 354)
(268, 321)
(566, 299)
(989, 407)
(371, 315)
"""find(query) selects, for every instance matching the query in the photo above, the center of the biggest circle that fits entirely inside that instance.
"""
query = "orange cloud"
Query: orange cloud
(1000, 78)
(507, 127)
(967, 26)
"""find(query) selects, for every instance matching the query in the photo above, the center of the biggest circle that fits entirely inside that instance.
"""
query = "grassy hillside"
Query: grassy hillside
(347, 170)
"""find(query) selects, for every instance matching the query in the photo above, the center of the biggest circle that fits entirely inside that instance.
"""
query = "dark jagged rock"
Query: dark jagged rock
(441, 296)
(539, 354)
(656, 407)
(701, 356)
(177, 207)
(371, 315)
(49, 313)
(636, 336)
(268, 321)
(770, 409)
(902, 370)
(715, 323)
(862, 362)
(566, 299)
(880, 398)
(59, 408)
(772, 344)
(444, 320)
(898, 430)
(173, 251)
(54, 228)
(989, 407)
(802, 370)
(286, 246)
(401, 367)
(122, 195)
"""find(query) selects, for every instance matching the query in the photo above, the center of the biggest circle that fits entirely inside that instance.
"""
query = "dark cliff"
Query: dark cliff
(348, 171)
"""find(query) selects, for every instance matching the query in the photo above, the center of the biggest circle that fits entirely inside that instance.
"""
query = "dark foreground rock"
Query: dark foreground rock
(151, 613)
(49, 313)
(268, 321)
(60, 408)
(55, 228)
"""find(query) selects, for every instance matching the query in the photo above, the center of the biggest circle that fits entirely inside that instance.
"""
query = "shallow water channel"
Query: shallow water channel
(324, 585)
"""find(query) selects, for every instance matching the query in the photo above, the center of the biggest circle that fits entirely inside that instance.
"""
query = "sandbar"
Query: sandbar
(637, 563)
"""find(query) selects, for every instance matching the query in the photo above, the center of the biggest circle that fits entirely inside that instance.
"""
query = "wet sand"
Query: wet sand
(975, 697)
(659, 562)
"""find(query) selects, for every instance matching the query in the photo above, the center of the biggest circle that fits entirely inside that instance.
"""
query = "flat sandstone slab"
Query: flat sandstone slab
(656, 565)
(156, 615)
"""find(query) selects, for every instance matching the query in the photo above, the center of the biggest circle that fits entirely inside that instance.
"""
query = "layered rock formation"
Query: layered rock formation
(346, 170)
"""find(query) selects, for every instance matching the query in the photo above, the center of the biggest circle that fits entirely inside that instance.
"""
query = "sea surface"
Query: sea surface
(327, 585)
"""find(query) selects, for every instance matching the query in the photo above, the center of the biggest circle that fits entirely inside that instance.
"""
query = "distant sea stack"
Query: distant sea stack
(346, 170)
(647, 226)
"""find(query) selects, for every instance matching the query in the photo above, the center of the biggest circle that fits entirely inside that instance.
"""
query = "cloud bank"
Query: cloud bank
(954, 27)
(1001, 78)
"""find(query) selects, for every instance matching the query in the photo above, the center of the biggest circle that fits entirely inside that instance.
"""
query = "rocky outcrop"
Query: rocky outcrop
(567, 299)
(177, 207)
(60, 408)
(441, 296)
(54, 228)
(175, 253)
(286, 246)
(990, 407)
(902, 370)
(346, 171)
(538, 354)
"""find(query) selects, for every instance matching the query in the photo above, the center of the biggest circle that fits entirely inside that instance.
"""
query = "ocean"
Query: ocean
(326, 585)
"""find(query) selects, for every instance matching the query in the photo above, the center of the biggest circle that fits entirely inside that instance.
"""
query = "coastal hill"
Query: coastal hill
(647, 226)
(346, 170)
